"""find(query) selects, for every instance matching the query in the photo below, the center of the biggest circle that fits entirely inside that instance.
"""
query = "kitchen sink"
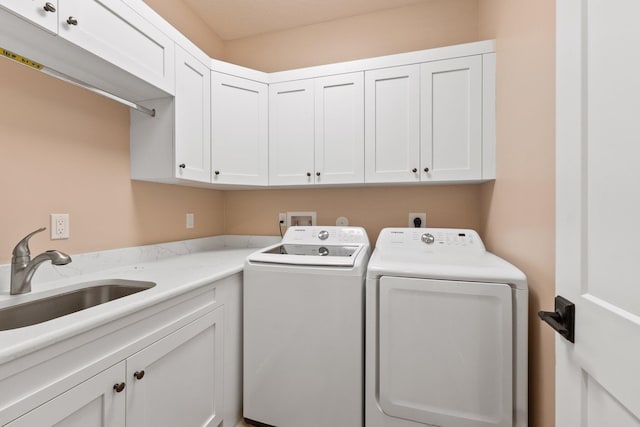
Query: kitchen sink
(52, 307)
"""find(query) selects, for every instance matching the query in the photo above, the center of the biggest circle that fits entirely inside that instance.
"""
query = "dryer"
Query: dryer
(446, 332)
(304, 329)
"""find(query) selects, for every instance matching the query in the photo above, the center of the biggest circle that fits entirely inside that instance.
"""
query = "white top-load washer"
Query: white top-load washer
(304, 329)
(446, 333)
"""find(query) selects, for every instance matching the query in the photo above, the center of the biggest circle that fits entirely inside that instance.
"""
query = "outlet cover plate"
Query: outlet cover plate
(414, 215)
(59, 226)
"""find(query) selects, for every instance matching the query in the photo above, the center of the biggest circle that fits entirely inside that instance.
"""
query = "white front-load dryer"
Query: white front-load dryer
(446, 333)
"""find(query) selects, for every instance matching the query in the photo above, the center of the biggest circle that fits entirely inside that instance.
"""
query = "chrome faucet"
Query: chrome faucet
(23, 267)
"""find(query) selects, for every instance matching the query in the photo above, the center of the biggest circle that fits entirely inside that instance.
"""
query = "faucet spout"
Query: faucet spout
(23, 267)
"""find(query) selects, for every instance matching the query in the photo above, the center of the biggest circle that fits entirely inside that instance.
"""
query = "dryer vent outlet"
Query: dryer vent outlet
(417, 220)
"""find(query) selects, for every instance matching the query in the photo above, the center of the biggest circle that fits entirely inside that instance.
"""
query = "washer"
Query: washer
(304, 329)
(446, 332)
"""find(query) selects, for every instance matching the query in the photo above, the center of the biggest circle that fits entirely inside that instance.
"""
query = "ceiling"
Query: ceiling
(233, 19)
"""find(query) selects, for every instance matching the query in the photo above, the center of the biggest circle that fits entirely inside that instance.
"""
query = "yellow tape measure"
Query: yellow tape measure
(21, 59)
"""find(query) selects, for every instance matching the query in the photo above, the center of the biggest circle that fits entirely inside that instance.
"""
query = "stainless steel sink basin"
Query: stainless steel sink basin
(52, 307)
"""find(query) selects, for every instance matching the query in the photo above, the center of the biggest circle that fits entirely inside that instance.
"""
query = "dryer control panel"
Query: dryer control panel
(437, 239)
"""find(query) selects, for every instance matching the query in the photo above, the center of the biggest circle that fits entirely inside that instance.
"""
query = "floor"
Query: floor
(243, 424)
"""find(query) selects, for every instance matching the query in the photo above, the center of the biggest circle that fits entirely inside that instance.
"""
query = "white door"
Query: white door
(193, 118)
(451, 119)
(177, 381)
(93, 403)
(598, 209)
(339, 129)
(291, 133)
(392, 124)
(239, 130)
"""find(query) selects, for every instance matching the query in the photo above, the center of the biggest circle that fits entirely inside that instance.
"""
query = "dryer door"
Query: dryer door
(446, 352)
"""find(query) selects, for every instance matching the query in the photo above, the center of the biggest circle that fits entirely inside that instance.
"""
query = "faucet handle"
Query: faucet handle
(22, 248)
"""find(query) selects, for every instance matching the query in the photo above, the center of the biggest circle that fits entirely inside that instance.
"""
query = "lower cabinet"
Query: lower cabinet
(93, 403)
(176, 381)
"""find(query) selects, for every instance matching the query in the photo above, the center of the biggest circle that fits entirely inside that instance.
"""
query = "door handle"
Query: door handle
(562, 319)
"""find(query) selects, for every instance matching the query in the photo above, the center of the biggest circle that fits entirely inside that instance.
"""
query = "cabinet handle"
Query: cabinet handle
(217, 172)
(182, 166)
(72, 21)
(317, 173)
(49, 7)
(308, 173)
(138, 375)
(426, 170)
(119, 387)
(414, 170)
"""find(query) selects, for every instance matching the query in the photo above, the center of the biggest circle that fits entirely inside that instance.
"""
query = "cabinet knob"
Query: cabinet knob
(49, 7)
(182, 166)
(426, 170)
(317, 173)
(217, 172)
(414, 170)
(138, 375)
(119, 387)
(72, 21)
(308, 173)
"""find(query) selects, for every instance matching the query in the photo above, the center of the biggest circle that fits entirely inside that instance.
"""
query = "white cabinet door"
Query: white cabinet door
(339, 129)
(451, 119)
(239, 130)
(392, 130)
(180, 377)
(40, 12)
(291, 133)
(192, 118)
(114, 32)
(93, 403)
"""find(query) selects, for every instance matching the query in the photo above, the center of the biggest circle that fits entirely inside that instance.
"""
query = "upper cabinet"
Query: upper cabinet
(239, 130)
(339, 129)
(40, 12)
(417, 117)
(424, 122)
(316, 131)
(291, 133)
(392, 124)
(115, 33)
(451, 119)
(175, 145)
(192, 118)
(109, 30)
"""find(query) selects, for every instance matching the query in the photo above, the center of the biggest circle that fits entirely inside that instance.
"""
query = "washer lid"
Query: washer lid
(320, 255)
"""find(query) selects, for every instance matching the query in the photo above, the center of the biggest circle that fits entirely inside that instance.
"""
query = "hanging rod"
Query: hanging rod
(64, 77)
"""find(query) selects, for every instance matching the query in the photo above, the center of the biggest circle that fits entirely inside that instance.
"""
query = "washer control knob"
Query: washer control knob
(428, 238)
(323, 235)
(323, 251)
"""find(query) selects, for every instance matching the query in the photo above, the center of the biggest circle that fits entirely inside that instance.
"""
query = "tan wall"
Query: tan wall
(421, 26)
(66, 150)
(256, 212)
(518, 208)
(190, 24)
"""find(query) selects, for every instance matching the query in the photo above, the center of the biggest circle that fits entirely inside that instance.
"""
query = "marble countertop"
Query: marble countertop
(176, 268)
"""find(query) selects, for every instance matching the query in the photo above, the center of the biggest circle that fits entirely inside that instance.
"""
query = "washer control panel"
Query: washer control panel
(436, 239)
(325, 235)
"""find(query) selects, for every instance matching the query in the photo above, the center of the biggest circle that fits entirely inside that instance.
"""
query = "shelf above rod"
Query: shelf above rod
(64, 77)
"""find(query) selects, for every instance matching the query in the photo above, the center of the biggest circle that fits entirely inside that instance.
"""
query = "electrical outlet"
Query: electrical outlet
(190, 220)
(59, 226)
(417, 220)
(282, 218)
